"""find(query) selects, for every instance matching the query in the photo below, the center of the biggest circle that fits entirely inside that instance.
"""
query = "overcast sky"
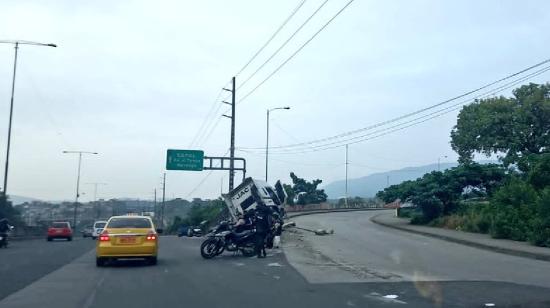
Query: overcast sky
(131, 79)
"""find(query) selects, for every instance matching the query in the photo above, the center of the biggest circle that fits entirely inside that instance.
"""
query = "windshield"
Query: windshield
(129, 223)
(364, 153)
(60, 225)
(99, 224)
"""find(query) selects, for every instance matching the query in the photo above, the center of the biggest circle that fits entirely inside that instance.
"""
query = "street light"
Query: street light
(77, 180)
(267, 138)
(16, 43)
(439, 162)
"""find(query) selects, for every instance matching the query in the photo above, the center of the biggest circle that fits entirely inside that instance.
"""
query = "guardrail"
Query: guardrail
(311, 212)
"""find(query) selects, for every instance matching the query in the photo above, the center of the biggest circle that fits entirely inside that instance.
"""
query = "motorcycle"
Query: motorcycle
(224, 237)
(4, 238)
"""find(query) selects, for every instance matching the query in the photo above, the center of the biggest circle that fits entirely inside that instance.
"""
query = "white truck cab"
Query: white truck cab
(250, 193)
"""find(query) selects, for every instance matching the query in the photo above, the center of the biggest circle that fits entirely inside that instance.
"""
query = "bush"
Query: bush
(418, 219)
(540, 231)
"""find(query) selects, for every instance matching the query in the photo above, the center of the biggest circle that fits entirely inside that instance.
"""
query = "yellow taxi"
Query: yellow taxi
(128, 237)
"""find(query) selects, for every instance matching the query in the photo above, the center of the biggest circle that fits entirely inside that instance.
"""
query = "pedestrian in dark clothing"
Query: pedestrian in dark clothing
(4, 225)
(263, 224)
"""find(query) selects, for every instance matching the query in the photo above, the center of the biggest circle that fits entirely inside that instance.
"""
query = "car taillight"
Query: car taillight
(151, 236)
(104, 237)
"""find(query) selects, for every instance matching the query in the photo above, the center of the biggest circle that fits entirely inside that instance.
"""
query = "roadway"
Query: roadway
(360, 265)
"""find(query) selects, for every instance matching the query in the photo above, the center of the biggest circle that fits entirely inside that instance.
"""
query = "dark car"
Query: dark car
(87, 231)
(182, 231)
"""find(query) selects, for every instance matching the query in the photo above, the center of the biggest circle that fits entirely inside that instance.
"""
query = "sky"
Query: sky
(131, 79)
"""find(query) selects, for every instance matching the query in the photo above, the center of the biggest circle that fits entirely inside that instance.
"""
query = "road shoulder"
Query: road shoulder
(482, 241)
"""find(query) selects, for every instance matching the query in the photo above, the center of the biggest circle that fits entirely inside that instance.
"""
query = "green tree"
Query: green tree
(438, 193)
(289, 193)
(307, 191)
(8, 211)
(539, 174)
(513, 128)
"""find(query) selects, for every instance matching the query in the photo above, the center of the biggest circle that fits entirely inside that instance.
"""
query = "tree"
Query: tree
(289, 193)
(8, 211)
(307, 192)
(513, 128)
(439, 193)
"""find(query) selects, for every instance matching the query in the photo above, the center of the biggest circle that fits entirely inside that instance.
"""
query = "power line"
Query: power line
(204, 128)
(390, 129)
(295, 53)
(207, 119)
(284, 44)
(414, 121)
(272, 37)
(405, 115)
(203, 180)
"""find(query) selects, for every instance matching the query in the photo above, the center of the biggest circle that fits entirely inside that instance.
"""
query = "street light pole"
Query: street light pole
(16, 43)
(439, 162)
(77, 180)
(267, 139)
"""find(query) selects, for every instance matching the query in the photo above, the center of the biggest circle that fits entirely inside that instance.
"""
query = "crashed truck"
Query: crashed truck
(252, 192)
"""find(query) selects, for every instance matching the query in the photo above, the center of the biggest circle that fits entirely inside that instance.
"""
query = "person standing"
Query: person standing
(263, 224)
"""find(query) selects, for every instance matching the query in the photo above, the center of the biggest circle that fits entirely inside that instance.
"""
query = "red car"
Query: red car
(60, 230)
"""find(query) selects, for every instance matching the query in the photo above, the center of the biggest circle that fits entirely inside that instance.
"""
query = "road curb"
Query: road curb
(298, 214)
(507, 251)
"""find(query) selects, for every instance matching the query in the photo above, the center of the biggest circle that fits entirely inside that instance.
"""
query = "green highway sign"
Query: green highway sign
(189, 160)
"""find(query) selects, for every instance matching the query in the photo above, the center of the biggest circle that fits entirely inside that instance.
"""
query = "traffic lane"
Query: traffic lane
(360, 250)
(183, 278)
(25, 261)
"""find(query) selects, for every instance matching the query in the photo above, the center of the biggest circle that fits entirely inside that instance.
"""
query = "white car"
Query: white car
(98, 228)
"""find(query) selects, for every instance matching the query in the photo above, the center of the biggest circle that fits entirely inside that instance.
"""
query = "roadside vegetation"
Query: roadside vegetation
(508, 200)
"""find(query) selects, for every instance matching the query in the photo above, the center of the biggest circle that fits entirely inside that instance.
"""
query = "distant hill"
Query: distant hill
(16, 200)
(368, 186)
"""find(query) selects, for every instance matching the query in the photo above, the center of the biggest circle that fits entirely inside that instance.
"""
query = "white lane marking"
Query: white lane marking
(490, 305)
(276, 264)
(277, 277)
(91, 298)
(390, 298)
(238, 264)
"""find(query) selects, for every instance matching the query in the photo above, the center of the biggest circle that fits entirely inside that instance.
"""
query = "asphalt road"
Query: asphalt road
(182, 278)
(28, 260)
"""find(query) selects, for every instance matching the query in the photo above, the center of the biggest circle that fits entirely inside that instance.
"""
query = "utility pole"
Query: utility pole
(387, 181)
(232, 148)
(439, 162)
(221, 187)
(347, 163)
(95, 188)
(155, 205)
(77, 180)
(97, 206)
(163, 200)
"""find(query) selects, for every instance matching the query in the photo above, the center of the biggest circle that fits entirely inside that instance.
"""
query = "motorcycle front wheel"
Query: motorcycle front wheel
(209, 248)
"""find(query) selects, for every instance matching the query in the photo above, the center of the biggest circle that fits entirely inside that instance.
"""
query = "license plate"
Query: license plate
(127, 240)
(58, 231)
